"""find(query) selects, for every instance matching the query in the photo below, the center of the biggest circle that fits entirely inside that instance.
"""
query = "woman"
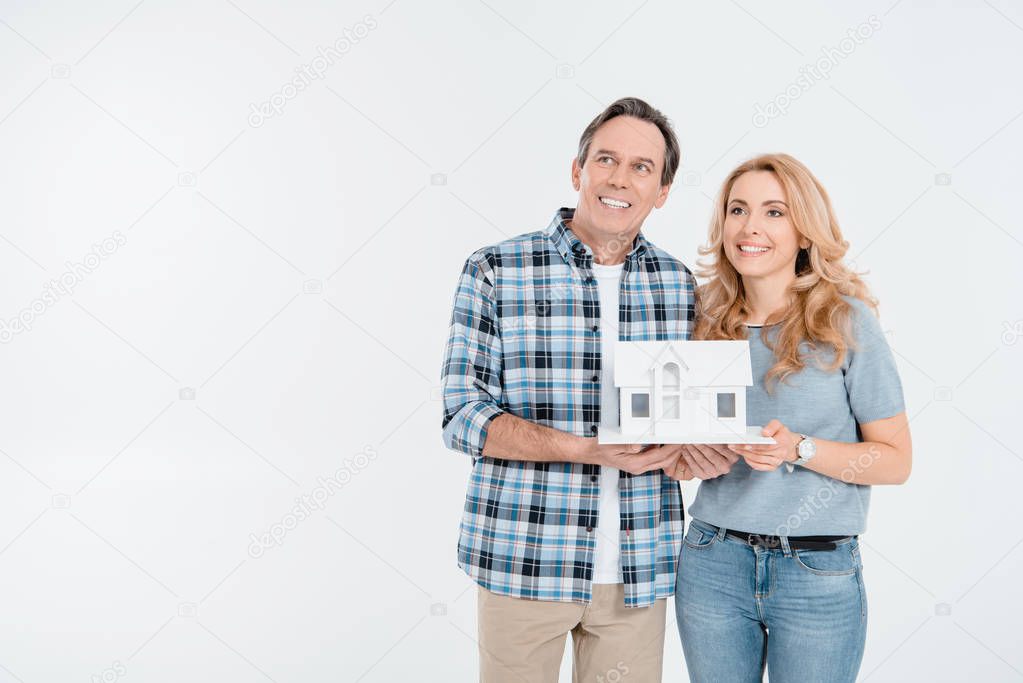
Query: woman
(770, 572)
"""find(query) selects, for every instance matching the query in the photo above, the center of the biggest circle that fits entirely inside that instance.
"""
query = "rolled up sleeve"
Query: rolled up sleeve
(471, 373)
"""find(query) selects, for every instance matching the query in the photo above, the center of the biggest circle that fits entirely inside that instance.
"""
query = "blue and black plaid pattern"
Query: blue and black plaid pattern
(525, 339)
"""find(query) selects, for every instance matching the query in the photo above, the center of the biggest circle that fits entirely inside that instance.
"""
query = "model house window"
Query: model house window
(671, 391)
(726, 405)
(641, 405)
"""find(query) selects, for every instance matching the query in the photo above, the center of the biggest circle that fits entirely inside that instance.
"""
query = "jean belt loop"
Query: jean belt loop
(721, 533)
(786, 549)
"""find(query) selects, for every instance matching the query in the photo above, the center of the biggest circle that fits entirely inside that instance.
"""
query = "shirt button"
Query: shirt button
(593, 429)
(595, 328)
(589, 528)
(593, 477)
(589, 280)
(595, 378)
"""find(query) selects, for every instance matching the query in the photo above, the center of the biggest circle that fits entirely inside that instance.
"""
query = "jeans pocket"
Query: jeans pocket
(842, 561)
(699, 537)
(863, 594)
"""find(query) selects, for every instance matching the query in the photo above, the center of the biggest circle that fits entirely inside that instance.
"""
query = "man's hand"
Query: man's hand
(632, 458)
(680, 472)
(708, 461)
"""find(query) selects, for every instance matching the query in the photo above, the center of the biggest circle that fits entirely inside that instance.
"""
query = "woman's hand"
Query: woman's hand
(768, 457)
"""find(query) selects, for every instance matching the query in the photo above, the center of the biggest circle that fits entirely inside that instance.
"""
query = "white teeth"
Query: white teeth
(751, 250)
(615, 203)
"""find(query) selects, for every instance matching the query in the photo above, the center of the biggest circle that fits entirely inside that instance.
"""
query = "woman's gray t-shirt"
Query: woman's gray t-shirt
(823, 405)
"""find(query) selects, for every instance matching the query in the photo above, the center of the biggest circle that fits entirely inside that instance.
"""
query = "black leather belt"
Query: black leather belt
(795, 542)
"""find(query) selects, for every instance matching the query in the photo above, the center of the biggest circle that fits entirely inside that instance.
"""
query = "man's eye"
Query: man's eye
(642, 168)
(604, 159)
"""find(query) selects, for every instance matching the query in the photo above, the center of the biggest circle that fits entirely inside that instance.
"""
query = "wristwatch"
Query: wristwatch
(806, 448)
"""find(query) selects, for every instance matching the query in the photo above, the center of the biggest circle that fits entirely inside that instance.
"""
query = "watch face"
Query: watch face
(807, 448)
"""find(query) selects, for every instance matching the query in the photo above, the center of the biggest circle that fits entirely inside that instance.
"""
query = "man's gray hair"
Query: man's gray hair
(636, 108)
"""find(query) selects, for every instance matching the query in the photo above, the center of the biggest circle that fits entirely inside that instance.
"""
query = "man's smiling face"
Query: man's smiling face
(620, 181)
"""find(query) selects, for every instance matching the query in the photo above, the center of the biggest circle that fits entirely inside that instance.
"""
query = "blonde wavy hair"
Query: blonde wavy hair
(818, 318)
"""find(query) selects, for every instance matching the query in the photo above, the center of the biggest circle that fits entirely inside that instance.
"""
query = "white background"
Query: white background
(298, 276)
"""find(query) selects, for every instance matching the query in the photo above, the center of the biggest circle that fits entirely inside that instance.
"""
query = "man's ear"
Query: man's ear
(662, 196)
(577, 172)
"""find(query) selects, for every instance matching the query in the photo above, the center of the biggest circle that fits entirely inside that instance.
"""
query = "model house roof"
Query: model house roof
(702, 363)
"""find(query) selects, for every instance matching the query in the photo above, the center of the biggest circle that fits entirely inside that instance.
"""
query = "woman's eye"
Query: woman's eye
(775, 213)
(736, 210)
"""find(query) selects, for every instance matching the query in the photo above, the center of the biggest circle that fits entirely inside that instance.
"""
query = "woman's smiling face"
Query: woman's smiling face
(760, 240)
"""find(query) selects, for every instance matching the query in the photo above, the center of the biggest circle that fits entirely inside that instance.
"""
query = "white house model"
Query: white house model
(682, 392)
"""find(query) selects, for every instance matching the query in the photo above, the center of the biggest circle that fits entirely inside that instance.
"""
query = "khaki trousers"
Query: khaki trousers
(524, 640)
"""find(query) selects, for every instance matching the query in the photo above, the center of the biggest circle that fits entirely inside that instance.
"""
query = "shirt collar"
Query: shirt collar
(569, 246)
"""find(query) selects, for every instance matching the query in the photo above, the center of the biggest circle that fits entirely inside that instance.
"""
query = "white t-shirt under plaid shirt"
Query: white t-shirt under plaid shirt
(525, 339)
(606, 555)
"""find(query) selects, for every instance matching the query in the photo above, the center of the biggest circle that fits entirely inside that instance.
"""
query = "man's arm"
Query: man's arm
(474, 421)
(512, 438)
(471, 372)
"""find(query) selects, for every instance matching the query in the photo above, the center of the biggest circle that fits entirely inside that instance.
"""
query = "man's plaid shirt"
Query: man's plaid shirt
(525, 339)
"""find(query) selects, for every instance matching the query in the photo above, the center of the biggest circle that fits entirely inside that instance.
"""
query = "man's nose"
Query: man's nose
(619, 176)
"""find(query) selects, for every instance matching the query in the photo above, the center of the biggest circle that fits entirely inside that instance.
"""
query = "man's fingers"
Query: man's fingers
(666, 452)
(668, 458)
(695, 466)
(699, 456)
(715, 453)
(656, 457)
(714, 460)
(622, 450)
(724, 451)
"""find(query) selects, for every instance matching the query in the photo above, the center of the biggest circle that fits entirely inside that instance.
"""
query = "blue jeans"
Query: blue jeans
(800, 613)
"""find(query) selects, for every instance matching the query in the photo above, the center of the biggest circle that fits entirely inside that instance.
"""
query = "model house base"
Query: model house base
(750, 436)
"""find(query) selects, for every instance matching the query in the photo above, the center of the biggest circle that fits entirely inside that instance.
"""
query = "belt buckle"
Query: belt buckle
(756, 539)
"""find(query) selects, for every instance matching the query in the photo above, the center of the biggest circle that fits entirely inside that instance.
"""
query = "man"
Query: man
(563, 534)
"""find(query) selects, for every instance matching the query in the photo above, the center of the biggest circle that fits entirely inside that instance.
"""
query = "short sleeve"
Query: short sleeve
(871, 377)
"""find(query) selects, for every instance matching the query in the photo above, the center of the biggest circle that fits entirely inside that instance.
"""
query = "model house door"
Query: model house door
(695, 408)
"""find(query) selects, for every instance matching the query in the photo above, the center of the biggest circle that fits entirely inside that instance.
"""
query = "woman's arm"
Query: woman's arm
(885, 456)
